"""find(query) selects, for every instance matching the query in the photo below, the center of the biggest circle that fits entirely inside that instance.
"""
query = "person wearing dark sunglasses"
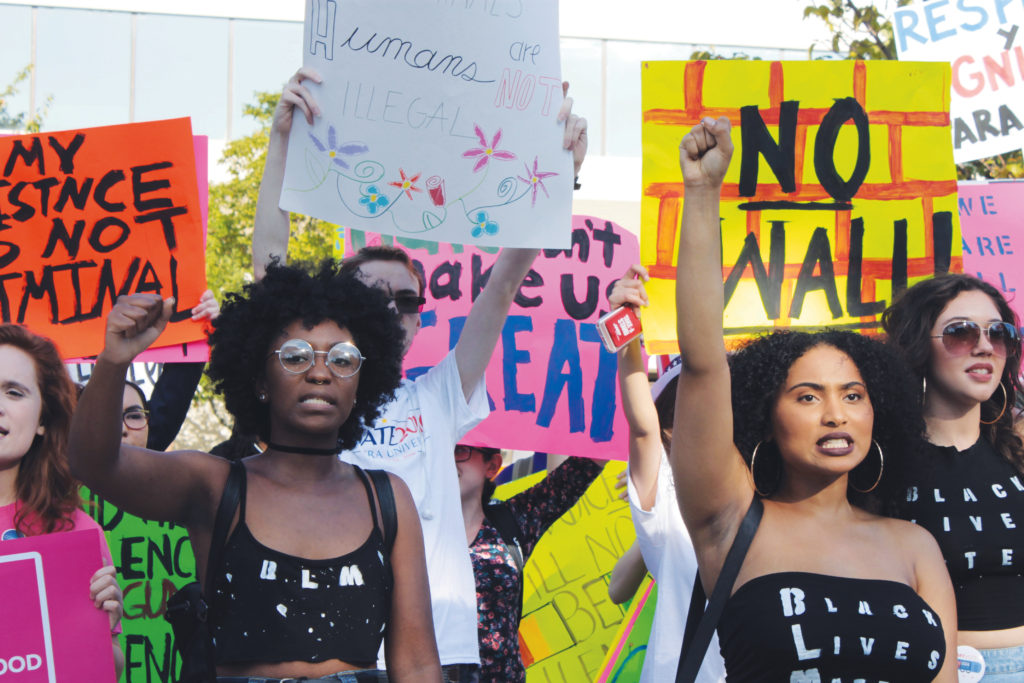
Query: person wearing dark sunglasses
(961, 339)
(417, 432)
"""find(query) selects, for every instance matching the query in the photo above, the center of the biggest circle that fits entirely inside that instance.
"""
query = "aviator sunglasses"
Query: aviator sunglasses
(960, 336)
(408, 303)
(297, 356)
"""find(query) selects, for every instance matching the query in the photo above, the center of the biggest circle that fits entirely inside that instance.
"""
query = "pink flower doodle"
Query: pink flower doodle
(486, 151)
(536, 179)
(406, 184)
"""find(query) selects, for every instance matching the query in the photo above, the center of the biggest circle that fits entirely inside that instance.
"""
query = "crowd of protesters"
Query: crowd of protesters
(852, 505)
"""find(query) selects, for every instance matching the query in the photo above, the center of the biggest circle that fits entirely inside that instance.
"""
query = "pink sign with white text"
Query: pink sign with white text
(993, 237)
(551, 384)
(50, 631)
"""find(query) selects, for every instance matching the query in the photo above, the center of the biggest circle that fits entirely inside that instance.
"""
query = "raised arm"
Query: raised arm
(272, 224)
(487, 316)
(161, 486)
(711, 478)
(410, 647)
(645, 447)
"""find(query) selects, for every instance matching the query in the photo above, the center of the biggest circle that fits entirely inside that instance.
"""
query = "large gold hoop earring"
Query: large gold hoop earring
(881, 468)
(1005, 401)
(753, 477)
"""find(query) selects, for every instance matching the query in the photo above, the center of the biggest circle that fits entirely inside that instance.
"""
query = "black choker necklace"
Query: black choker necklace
(303, 451)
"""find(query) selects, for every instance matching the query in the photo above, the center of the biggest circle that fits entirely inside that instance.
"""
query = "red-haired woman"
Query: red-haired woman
(37, 492)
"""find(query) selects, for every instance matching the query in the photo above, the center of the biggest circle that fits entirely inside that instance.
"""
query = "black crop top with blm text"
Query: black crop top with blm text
(972, 501)
(273, 607)
(796, 626)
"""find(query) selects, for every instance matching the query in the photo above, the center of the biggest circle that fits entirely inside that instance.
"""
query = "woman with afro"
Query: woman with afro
(813, 425)
(309, 584)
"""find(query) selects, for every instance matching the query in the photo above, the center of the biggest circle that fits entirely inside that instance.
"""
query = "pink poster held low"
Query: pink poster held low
(551, 384)
(993, 237)
(50, 629)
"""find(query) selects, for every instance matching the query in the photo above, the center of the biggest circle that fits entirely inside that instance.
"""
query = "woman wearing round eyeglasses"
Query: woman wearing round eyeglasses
(310, 582)
(961, 339)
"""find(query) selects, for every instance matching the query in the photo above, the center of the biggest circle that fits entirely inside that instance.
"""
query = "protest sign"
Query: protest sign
(50, 630)
(980, 41)
(551, 383)
(625, 659)
(568, 620)
(992, 236)
(196, 351)
(439, 122)
(90, 214)
(841, 191)
(153, 560)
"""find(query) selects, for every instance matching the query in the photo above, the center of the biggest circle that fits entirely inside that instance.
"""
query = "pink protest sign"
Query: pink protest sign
(50, 630)
(993, 240)
(551, 384)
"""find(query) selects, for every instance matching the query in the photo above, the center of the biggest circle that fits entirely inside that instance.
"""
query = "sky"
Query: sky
(765, 23)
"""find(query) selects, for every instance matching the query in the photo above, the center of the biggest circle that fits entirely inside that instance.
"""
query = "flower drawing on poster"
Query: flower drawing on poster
(468, 207)
(440, 121)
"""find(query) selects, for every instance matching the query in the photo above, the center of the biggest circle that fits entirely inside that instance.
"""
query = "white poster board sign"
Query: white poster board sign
(439, 122)
(983, 43)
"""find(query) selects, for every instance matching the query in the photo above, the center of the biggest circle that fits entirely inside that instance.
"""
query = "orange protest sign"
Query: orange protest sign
(88, 215)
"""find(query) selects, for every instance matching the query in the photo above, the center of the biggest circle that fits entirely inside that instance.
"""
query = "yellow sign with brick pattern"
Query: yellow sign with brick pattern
(841, 191)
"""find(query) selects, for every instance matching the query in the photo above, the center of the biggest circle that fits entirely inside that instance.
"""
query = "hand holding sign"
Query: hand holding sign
(134, 323)
(704, 153)
(575, 137)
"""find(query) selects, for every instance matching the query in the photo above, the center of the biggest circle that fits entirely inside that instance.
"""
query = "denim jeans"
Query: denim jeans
(1004, 665)
(354, 676)
(460, 673)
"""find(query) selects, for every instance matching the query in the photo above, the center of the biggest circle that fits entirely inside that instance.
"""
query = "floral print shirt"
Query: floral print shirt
(499, 583)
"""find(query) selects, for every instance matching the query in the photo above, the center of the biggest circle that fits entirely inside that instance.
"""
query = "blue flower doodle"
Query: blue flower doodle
(332, 149)
(372, 199)
(483, 224)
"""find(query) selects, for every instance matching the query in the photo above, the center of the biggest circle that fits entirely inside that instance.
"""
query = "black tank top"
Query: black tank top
(273, 607)
(796, 626)
(972, 502)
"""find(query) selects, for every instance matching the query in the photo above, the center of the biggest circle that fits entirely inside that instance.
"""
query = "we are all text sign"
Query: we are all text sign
(439, 122)
(981, 42)
(841, 191)
(993, 237)
(551, 384)
(88, 215)
(51, 632)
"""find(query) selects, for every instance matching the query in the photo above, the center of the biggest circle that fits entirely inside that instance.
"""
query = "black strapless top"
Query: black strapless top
(797, 626)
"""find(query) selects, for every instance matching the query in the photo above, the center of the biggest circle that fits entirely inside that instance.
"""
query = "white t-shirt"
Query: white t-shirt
(668, 553)
(415, 438)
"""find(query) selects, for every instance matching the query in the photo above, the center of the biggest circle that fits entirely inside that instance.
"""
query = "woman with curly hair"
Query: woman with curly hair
(37, 492)
(812, 424)
(309, 585)
(961, 340)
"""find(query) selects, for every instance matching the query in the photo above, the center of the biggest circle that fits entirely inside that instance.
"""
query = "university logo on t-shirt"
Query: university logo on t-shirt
(391, 439)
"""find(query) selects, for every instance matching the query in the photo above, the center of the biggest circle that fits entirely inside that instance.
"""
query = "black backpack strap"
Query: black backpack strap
(701, 624)
(234, 490)
(500, 515)
(386, 499)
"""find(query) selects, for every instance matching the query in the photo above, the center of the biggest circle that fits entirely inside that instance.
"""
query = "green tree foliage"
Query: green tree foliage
(860, 30)
(20, 121)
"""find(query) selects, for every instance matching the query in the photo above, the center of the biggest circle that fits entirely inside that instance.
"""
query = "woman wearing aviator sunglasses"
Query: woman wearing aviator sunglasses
(313, 577)
(960, 337)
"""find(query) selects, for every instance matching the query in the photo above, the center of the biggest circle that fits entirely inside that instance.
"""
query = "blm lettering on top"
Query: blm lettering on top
(825, 258)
